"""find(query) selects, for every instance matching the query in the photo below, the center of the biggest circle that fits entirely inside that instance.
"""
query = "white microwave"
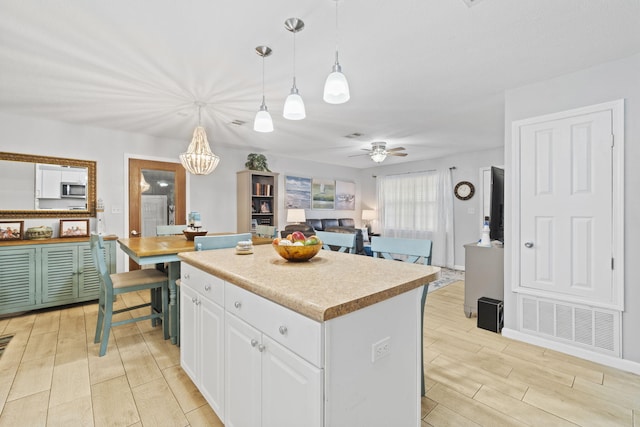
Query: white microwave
(73, 190)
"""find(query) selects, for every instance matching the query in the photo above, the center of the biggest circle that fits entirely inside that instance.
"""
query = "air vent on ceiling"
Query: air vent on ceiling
(238, 122)
(470, 3)
(354, 135)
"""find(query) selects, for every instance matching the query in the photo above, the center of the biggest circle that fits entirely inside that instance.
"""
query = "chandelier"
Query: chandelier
(199, 159)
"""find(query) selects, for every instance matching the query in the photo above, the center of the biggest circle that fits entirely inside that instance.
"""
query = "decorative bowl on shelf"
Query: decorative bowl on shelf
(191, 233)
(38, 233)
(298, 253)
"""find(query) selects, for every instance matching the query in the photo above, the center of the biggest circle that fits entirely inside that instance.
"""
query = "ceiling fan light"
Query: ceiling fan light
(378, 156)
(294, 106)
(336, 87)
(199, 159)
(263, 121)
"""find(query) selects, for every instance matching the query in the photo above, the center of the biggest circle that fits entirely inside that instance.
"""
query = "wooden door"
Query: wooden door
(566, 207)
(153, 177)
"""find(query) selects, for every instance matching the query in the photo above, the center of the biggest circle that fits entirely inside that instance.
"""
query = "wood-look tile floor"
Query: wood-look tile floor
(50, 375)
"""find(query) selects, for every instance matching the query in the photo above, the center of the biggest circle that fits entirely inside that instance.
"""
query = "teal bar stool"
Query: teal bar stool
(112, 285)
(169, 230)
(204, 243)
(407, 250)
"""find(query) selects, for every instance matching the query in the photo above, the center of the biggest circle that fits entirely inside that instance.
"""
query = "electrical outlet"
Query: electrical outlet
(380, 349)
(116, 210)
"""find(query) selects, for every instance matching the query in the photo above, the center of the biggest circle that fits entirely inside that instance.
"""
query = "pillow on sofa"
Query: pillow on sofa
(346, 222)
(315, 223)
(329, 222)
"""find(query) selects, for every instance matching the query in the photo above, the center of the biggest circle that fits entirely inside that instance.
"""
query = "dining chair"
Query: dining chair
(169, 230)
(115, 284)
(340, 242)
(408, 250)
(204, 243)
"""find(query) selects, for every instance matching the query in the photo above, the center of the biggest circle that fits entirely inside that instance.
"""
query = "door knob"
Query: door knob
(528, 245)
(134, 233)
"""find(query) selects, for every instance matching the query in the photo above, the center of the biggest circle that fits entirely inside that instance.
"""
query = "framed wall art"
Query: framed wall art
(74, 227)
(323, 193)
(345, 195)
(297, 192)
(11, 230)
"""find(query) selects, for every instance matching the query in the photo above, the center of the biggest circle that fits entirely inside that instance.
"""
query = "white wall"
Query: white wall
(214, 195)
(603, 83)
(467, 213)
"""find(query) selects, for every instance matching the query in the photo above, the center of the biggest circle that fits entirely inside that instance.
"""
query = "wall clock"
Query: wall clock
(464, 190)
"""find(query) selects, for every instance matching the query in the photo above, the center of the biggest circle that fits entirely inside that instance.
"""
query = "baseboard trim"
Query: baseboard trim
(603, 359)
(458, 267)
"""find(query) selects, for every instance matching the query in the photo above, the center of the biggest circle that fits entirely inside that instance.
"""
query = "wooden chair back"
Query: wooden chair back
(340, 242)
(219, 242)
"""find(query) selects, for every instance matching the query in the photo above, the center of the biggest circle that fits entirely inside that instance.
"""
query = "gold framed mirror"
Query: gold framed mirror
(46, 187)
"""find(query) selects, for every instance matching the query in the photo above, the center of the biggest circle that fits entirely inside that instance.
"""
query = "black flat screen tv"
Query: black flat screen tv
(496, 214)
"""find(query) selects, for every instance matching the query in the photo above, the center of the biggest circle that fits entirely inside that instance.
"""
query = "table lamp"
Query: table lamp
(368, 215)
(296, 216)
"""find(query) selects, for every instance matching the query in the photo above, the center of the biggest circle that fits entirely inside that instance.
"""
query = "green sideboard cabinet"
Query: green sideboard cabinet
(45, 273)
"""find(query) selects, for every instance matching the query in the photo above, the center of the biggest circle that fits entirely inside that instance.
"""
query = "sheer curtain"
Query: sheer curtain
(419, 206)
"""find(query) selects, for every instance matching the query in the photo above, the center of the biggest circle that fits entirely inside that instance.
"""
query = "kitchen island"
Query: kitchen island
(334, 341)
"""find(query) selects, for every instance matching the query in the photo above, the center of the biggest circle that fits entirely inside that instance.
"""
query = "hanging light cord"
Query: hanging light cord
(337, 36)
(294, 59)
(263, 79)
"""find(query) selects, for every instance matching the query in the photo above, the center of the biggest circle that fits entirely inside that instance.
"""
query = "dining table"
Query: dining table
(161, 251)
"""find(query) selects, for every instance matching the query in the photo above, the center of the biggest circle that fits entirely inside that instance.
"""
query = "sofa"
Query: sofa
(333, 225)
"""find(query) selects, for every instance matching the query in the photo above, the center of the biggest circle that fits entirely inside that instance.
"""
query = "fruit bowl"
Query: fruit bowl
(190, 234)
(297, 253)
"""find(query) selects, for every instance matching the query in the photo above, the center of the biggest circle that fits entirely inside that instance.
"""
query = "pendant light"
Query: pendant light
(336, 87)
(294, 106)
(199, 160)
(263, 121)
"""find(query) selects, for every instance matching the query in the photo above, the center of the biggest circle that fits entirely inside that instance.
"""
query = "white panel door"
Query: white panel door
(566, 207)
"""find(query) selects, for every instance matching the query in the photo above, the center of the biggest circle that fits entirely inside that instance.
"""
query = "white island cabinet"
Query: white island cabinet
(330, 342)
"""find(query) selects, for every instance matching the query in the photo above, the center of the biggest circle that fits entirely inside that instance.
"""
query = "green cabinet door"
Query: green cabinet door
(17, 279)
(60, 272)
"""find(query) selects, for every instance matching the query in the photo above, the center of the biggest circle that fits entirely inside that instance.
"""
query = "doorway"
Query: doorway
(157, 196)
(567, 240)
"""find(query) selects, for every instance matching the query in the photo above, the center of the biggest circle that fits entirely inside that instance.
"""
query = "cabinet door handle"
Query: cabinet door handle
(528, 245)
(194, 300)
(237, 304)
(187, 276)
(254, 343)
(283, 330)
(207, 288)
(261, 348)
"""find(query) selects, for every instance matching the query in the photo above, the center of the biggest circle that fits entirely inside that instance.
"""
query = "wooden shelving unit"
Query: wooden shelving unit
(257, 194)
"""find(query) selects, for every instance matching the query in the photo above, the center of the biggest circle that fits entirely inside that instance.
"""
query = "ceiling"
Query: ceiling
(426, 75)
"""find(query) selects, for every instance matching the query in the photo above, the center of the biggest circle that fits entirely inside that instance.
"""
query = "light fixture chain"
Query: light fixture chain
(337, 31)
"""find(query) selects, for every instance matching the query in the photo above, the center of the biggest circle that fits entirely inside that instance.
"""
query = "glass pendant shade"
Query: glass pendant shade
(199, 160)
(263, 121)
(294, 106)
(378, 156)
(336, 87)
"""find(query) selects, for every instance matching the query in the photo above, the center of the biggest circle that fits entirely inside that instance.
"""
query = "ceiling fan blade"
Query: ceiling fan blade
(358, 155)
(391, 150)
(396, 154)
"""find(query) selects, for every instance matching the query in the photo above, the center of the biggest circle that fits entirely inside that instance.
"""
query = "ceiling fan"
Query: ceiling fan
(379, 151)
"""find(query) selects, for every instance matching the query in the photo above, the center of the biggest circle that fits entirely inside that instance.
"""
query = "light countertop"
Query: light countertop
(329, 285)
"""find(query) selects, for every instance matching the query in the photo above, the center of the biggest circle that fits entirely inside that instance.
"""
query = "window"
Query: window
(409, 202)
